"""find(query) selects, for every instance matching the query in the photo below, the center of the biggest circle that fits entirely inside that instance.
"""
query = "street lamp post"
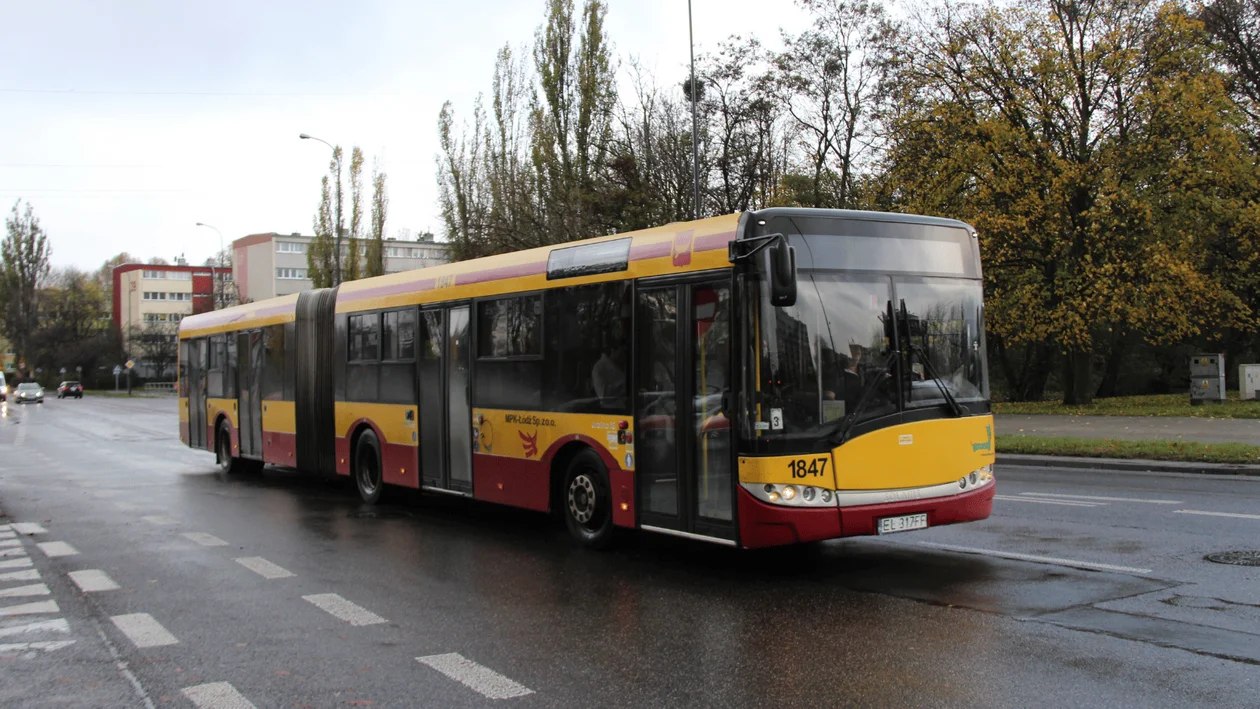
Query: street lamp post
(218, 285)
(695, 147)
(337, 226)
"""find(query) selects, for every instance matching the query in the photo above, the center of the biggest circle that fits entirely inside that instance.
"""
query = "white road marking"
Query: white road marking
(93, 580)
(1239, 515)
(27, 575)
(1064, 503)
(103, 494)
(343, 609)
(7, 533)
(28, 608)
(28, 528)
(159, 520)
(57, 549)
(205, 540)
(264, 568)
(217, 695)
(480, 679)
(43, 646)
(44, 626)
(10, 542)
(16, 551)
(1105, 499)
(1041, 559)
(15, 563)
(128, 506)
(34, 589)
(143, 630)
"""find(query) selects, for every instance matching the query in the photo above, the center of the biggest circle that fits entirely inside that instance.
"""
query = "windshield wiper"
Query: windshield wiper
(954, 407)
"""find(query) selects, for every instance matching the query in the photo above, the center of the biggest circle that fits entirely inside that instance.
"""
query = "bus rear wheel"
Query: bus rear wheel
(587, 501)
(368, 475)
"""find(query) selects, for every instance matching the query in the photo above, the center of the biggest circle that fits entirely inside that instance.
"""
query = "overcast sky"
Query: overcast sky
(124, 123)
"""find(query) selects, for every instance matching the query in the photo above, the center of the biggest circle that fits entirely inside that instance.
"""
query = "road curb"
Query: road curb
(1126, 464)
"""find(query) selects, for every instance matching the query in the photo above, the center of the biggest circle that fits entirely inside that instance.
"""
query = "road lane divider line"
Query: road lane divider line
(59, 625)
(30, 609)
(9, 649)
(1062, 503)
(57, 549)
(1105, 499)
(15, 551)
(93, 580)
(143, 630)
(217, 695)
(25, 575)
(34, 589)
(5, 543)
(1090, 565)
(28, 528)
(205, 540)
(1238, 515)
(479, 678)
(15, 563)
(159, 520)
(8, 533)
(264, 568)
(341, 608)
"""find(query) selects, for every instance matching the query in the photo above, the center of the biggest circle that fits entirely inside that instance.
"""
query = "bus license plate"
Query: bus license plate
(889, 525)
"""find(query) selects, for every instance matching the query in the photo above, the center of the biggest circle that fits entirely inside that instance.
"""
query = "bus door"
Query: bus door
(443, 365)
(249, 345)
(683, 404)
(196, 372)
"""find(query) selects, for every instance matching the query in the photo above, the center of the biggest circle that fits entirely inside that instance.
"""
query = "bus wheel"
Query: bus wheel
(223, 453)
(587, 501)
(367, 468)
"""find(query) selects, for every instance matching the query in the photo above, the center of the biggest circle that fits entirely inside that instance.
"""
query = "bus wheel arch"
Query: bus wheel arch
(365, 464)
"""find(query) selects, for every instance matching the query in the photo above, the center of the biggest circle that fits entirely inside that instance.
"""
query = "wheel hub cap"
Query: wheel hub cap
(582, 499)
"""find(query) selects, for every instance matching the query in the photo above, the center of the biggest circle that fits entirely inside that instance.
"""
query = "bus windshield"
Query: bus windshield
(829, 361)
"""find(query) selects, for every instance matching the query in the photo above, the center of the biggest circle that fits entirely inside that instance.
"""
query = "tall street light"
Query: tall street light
(337, 226)
(218, 285)
(695, 147)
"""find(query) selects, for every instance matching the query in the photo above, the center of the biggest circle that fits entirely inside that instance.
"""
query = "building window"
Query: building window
(153, 295)
(291, 274)
(365, 337)
(155, 274)
(179, 275)
(183, 297)
(290, 247)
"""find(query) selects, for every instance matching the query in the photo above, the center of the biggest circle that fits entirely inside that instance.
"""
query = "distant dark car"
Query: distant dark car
(67, 389)
(29, 391)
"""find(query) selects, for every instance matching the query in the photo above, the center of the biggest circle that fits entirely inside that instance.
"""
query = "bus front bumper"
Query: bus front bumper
(765, 525)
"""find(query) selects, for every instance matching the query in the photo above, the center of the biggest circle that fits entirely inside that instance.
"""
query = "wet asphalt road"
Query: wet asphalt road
(1083, 589)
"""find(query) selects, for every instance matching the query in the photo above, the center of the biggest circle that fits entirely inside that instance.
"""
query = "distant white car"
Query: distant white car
(29, 391)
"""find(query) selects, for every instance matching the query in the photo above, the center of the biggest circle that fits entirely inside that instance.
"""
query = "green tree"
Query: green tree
(374, 254)
(352, 260)
(1094, 148)
(320, 266)
(25, 252)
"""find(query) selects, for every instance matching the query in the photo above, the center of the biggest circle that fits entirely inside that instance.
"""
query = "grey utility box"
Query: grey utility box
(1249, 381)
(1207, 378)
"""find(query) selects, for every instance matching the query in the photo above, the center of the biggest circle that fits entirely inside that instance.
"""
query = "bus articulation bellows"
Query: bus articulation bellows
(759, 379)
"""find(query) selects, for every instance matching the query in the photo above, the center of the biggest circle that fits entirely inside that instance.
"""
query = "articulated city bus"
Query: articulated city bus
(759, 379)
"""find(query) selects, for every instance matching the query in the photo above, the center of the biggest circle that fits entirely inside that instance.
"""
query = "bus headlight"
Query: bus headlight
(983, 475)
(791, 495)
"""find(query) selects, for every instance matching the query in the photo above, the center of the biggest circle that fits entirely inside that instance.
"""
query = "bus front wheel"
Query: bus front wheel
(228, 465)
(367, 468)
(587, 501)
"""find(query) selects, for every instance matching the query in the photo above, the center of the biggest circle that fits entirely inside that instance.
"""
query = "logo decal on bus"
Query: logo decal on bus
(529, 443)
(987, 445)
(682, 248)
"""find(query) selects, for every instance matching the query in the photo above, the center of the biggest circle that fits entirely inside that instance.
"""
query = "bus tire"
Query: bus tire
(368, 474)
(586, 501)
(228, 465)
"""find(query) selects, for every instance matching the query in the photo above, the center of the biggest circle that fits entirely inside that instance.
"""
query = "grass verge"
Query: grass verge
(1153, 405)
(1149, 449)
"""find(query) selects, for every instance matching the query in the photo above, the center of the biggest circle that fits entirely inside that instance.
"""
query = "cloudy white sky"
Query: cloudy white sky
(125, 122)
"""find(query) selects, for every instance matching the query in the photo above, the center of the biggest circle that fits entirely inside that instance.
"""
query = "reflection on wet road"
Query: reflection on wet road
(281, 590)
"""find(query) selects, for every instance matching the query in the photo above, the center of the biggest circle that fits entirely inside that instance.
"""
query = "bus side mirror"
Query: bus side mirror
(782, 274)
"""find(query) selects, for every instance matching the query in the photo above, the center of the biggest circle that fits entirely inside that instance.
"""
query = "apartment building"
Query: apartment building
(145, 295)
(268, 265)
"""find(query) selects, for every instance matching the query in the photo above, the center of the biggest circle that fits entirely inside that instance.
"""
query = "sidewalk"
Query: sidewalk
(1133, 427)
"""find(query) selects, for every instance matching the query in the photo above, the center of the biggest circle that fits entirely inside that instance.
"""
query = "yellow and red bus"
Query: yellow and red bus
(758, 379)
